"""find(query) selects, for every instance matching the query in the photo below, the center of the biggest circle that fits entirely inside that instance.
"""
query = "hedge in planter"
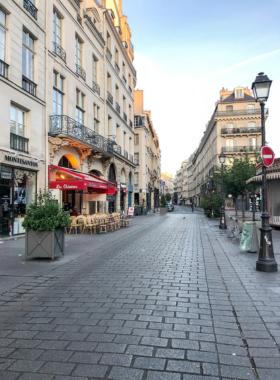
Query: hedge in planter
(45, 224)
(163, 205)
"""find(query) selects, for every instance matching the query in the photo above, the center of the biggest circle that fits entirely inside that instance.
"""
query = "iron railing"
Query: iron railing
(77, 2)
(231, 131)
(110, 97)
(118, 107)
(131, 158)
(240, 112)
(117, 67)
(30, 7)
(94, 28)
(19, 143)
(125, 154)
(130, 124)
(79, 19)
(62, 124)
(80, 71)
(233, 149)
(118, 149)
(3, 69)
(95, 87)
(124, 79)
(130, 89)
(29, 86)
(108, 54)
(57, 49)
(125, 116)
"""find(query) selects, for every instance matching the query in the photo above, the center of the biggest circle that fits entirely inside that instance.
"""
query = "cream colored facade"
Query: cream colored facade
(181, 180)
(147, 155)
(234, 128)
(169, 184)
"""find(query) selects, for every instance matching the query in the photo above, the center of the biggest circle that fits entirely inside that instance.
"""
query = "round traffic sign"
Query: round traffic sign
(267, 155)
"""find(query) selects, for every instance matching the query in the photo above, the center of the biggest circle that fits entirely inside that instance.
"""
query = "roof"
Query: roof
(231, 99)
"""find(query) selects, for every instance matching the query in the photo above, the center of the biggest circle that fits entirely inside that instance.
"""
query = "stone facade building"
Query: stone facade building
(169, 184)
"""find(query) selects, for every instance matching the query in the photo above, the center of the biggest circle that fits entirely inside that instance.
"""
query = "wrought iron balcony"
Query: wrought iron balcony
(3, 69)
(125, 154)
(118, 149)
(110, 97)
(130, 124)
(118, 107)
(242, 130)
(29, 86)
(131, 158)
(124, 79)
(95, 87)
(19, 143)
(77, 2)
(130, 89)
(79, 19)
(240, 112)
(108, 54)
(117, 67)
(125, 116)
(94, 28)
(57, 49)
(81, 72)
(30, 7)
(65, 125)
(240, 149)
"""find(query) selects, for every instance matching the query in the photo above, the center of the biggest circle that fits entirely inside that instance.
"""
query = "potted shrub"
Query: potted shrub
(44, 225)
(163, 205)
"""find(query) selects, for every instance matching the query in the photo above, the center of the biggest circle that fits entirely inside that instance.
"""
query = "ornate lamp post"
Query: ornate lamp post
(212, 211)
(223, 225)
(266, 260)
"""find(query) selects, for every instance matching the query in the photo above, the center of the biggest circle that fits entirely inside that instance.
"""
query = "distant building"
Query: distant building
(168, 179)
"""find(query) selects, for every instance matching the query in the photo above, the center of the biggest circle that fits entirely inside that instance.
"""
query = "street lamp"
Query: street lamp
(211, 176)
(223, 225)
(266, 260)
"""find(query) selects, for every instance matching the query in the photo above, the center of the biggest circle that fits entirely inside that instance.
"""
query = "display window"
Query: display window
(17, 191)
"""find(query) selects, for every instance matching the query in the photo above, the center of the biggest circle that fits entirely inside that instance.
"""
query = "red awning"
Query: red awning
(126, 191)
(67, 179)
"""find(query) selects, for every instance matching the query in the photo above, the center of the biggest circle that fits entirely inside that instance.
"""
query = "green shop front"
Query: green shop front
(18, 186)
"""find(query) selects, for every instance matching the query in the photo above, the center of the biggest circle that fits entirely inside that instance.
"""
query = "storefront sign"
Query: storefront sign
(123, 185)
(21, 161)
(110, 198)
(131, 211)
(6, 175)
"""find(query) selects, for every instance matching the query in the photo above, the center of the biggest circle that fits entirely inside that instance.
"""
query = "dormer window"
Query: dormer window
(239, 93)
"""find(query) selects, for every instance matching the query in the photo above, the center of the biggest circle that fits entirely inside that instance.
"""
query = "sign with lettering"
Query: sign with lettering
(131, 211)
(21, 161)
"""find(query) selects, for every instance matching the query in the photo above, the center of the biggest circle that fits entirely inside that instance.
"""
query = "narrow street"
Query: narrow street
(173, 299)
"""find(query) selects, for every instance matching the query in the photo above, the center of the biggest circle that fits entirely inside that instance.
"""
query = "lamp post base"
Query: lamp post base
(267, 266)
(222, 227)
(266, 260)
(223, 224)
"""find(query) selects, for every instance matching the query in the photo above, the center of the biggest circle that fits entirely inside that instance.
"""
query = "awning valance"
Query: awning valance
(269, 176)
(67, 179)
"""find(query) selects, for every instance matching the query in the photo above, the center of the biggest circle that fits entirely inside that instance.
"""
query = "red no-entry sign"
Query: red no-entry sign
(267, 156)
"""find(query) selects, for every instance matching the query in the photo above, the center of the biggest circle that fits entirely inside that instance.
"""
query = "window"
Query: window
(57, 94)
(80, 103)
(56, 29)
(129, 111)
(109, 82)
(229, 143)
(2, 36)
(136, 178)
(136, 158)
(252, 143)
(251, 108)
(95, 69)
(229, 109)
(239, 93)
(108, 41)
(136, 139)
(27, 55)
(78, 52)
(229, 126)
(129, 80)
(17, 121)
(96, 112)
(117, 56)
(252, 126)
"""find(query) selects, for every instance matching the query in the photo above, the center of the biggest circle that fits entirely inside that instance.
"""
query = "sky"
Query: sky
(186, 51)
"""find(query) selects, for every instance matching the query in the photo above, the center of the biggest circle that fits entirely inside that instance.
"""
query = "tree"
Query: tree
(168, 197)
(209, 202)
(163, 201)
(175, 198)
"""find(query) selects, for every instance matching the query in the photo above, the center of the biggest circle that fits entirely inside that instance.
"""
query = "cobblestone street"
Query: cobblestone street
(172, 299)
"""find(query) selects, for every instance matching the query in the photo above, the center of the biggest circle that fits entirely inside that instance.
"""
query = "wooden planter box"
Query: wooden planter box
(163, 210)
(44, 244)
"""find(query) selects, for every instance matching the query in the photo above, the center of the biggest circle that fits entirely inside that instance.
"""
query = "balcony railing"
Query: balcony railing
(3, 69)
(79, 19)
(242, 130)
(131, 158)
(118, 107)
(240, 112)
(30, 7)
(130, 89)
(130, 124)
(117, 67)
(94, 28)
(62, 124)
(125, 116)
(95, 87)
(110, 97)
(125, 154)
(124, 79)
(81, 72)
(57, 49)
(19, 143)
(118, 149)
(108, 54)
(237, 149)
(77, 2)
(29, 86)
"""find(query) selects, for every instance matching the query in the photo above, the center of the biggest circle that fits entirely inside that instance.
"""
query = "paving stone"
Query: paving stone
(170, 353)
(7, 375)
(85, 357)
(198, 377)
(122, 373)
(116, 359)
(208, 357)
(111, 347)
(139, 350)
(35, 376)
(56, 355)
(94, 371)
(57, 368)
(26, 354)
(155, 375)
(26, 365)
(237, 372)
(184, 344)
(149, 363)
(183, 366)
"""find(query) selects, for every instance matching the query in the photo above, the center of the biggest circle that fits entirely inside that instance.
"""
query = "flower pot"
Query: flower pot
(44, 244)
(163, 210)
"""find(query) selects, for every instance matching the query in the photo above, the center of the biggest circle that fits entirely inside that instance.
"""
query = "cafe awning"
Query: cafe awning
(68, 179)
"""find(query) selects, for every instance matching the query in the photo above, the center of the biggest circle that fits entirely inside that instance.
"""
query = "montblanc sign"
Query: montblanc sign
(21, 161)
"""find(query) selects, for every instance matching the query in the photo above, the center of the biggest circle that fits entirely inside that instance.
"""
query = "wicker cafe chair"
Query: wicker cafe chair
(94, 223)
(102, 226)
(74, 225)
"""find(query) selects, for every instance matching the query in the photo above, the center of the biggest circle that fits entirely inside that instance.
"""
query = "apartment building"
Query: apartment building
(181, 180)
(23, 99)
(168, 179)
(234, 129)
(147, 156)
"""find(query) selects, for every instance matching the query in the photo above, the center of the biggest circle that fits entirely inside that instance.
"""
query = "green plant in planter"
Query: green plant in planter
(211, 201)
(163, 201)
(45, 214)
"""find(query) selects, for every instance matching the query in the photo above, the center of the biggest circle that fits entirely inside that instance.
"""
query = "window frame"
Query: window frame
(80, 104)
(5, 29)
(16, 132)
(57, 88)
(78, 44)
(57, 16)
(136, 138)
(28, 50)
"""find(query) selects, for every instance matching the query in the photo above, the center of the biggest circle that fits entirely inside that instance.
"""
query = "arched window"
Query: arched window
(112, 173)
(123, 176)
(95, 172)
(65, 163)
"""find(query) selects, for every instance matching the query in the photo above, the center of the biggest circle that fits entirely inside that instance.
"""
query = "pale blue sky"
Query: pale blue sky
(186, 51)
